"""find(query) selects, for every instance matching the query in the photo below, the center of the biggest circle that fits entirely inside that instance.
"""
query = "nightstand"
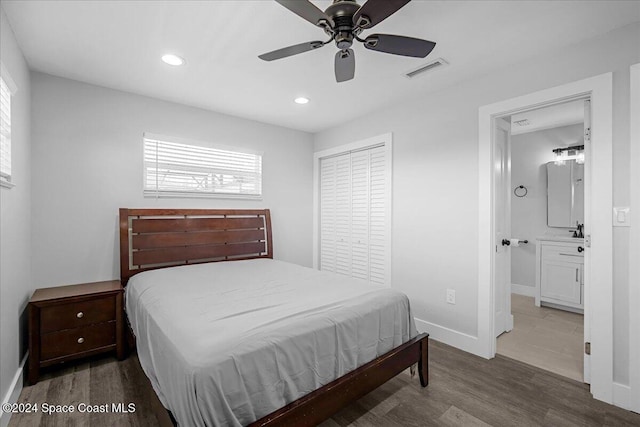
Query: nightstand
(70, 322)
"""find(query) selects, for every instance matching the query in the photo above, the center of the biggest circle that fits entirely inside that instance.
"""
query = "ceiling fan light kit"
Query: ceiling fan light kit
(343, 21)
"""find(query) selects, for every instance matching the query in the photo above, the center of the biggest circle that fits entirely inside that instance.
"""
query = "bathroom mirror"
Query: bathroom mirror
(565, 194)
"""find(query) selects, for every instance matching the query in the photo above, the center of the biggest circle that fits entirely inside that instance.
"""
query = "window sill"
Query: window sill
(176, 195)
(6, 184)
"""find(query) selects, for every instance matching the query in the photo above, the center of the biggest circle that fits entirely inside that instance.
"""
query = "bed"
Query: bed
(253, 340)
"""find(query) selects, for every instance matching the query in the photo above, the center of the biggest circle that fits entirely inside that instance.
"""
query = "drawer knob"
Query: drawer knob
(80, 315)
(580, 249)
(80, 340)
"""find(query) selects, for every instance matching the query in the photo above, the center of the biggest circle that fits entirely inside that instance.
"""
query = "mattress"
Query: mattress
(227, 343)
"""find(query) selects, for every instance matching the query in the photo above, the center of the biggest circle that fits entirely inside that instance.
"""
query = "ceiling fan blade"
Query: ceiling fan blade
(399, 45)
(375, 11)
(345, 65)
(290, 51)
(306, 10)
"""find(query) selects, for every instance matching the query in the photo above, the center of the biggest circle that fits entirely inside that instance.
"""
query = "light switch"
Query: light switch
(621, 217)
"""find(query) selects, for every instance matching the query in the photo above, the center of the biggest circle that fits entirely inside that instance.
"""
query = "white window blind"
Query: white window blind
(175, 169)
(5, 132)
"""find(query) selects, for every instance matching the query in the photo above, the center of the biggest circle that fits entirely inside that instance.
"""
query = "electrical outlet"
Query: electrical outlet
(451, 296)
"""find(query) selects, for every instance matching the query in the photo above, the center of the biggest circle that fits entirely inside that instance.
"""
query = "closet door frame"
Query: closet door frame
(385, 140)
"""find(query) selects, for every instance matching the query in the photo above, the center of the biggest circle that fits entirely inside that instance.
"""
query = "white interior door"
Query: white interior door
(587, 253)
(503, 321)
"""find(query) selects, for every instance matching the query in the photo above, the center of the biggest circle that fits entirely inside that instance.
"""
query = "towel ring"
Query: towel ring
(518, 191)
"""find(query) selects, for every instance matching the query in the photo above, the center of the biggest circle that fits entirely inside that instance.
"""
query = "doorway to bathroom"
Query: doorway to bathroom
(598, 247)
(541, 152)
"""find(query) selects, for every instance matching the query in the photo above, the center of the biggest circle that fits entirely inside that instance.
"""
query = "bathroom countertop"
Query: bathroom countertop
(560, 238)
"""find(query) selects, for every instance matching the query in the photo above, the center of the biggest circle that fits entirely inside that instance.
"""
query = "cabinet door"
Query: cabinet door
(561, 280)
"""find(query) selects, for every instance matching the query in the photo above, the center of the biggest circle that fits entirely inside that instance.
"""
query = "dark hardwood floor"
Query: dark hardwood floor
(464, 390)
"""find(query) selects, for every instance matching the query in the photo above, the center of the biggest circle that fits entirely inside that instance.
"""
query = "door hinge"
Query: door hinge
(587, 240)
(587, 135)
(587, 348)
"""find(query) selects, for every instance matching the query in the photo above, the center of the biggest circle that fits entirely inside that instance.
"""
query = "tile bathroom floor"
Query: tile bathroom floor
(545, 337)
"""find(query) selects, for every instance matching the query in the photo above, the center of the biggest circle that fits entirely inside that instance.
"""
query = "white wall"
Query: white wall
(435, 178)
(87, 163)
(530, 153)
(15, 223)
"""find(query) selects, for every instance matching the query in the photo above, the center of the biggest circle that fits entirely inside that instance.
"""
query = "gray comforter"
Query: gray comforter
(226, 343)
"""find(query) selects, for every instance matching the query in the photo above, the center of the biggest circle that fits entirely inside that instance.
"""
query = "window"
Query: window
(178, 168)
(5, 134)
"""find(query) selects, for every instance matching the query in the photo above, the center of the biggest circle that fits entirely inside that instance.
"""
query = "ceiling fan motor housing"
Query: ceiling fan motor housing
(341, 12)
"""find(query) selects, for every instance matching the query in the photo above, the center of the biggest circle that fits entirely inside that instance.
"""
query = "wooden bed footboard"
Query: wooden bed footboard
(321, 404)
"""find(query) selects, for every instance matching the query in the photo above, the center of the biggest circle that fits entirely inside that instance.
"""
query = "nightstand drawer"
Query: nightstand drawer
(78, 340)
(73, 315)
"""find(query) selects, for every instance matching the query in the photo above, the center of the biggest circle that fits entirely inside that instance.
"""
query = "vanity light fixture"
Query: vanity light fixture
(301, 100)
(575, 152)
(172, 59)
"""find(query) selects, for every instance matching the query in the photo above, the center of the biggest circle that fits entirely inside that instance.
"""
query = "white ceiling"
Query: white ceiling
(554, 116)
(118, 44)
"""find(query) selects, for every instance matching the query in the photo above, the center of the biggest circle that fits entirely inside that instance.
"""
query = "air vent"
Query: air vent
(523, 122)
(427, 67)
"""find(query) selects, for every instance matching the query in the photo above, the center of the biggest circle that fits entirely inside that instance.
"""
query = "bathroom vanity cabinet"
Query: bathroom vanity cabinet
(560, 273)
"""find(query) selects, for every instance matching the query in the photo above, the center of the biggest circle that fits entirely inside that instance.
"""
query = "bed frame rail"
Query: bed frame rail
(321, 404)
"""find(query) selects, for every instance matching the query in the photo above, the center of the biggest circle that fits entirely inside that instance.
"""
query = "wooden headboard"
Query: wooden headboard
(158, 238)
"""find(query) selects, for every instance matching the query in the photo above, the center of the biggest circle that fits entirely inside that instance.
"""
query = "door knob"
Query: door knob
(580, 249)
(505, 242)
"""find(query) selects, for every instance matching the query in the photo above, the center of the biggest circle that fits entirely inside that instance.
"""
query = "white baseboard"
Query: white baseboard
(622, 396)
(14, 391)
(448, 336)
(527, 291)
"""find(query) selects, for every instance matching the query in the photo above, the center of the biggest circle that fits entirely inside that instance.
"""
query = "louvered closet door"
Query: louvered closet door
(353, 211)
(343, 215)
(378, 239)
(327, 214)
(335, 214)
(360, 215)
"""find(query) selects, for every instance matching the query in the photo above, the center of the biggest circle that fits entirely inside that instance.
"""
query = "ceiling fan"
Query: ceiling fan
(343, 22)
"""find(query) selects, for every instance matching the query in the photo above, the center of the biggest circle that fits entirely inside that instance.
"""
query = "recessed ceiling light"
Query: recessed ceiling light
(172, 59)
(301, 100)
